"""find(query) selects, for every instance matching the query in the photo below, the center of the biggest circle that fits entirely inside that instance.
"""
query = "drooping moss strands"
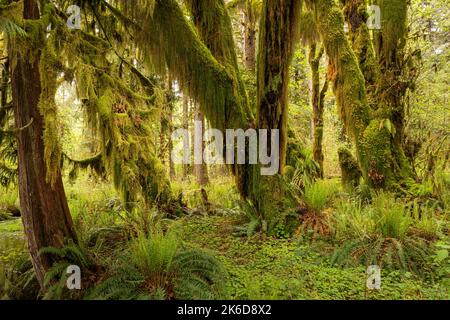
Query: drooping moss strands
(50, 68)
(112, 107)
(390, 45)
(167, 38)
(278, 33)
(377, 156)
(94, 163)
(356, 15)
(214, 26)
(45, 212)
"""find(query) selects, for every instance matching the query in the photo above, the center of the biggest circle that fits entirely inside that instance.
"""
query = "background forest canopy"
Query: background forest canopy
(89, 102)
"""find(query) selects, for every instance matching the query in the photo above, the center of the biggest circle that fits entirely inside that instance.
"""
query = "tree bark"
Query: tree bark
(249, 39)
(186, 142)
(45, 212)
(200, 170)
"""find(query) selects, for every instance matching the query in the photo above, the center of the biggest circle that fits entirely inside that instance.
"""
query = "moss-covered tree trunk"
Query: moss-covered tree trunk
(318, 104)
(393, 83)
(278, 31)
(372, 135)
(356, 15)
(45, 212)
(214, 26)
(383, 68)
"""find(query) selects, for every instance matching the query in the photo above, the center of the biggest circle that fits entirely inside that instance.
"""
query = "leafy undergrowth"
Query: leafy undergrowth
(193, 249)
(267, 268)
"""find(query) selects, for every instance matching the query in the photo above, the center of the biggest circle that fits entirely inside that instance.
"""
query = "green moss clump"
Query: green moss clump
(351, 174)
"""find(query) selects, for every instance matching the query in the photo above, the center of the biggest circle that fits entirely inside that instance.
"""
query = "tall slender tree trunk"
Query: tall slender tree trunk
(45, 212)
(318, 103)
(165, 135)
(249, 39)
(171, 107)
(186, 142)
(200, 169)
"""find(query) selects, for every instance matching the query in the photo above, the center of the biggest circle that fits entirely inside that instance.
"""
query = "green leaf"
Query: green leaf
(441, 255)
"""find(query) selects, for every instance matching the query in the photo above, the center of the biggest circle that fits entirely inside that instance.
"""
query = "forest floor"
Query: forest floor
(268, 268)
(257, 266)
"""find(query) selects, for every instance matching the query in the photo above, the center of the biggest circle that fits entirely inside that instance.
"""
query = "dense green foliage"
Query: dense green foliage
(364, 168)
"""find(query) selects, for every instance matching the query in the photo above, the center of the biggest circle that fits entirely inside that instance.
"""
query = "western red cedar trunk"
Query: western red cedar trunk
(45, 212)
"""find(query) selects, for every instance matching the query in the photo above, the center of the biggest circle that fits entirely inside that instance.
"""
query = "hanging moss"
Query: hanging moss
(94, 163)
(355, 12)
(378, 155)
(169, 39)
(120, 115)
(279, 32)
(49, 68)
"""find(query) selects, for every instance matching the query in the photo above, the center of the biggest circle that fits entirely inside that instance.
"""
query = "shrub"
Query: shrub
(318, 195)
(18, 281)
(379, 234)
(391, 218)
(56, 278)
(156, 267)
